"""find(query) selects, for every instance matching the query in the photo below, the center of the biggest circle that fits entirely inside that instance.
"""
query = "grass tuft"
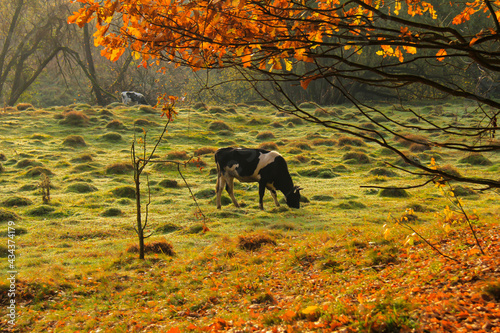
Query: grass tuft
(154, 247)
(254, 242)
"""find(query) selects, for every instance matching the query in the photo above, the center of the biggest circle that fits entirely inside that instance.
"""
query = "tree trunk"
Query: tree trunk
(6, 45)
(90, 64)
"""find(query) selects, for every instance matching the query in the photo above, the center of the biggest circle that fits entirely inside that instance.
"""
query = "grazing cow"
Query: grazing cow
(132, 97)
(268, 168)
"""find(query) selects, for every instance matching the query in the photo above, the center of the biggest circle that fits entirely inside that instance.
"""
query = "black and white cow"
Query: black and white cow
(132, 97)
(268, 168)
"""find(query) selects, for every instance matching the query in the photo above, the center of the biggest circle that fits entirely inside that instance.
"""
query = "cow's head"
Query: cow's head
(293, 198)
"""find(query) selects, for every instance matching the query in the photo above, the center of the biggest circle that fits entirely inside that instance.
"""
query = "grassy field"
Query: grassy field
(339, 263)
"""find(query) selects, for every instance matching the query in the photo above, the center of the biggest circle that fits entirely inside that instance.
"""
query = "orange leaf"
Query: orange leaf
(441, 54)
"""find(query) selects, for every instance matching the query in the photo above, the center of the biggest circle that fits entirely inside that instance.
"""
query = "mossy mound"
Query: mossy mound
(219, 126)
(167, 228)
(351, 204)
(112, 137)
(382, 172)
(82, 158)
(159, 247)
(350, 141)
(322, 197)
(169, 183)
(41, 210)
(110, 212)
(115, 124)
(476, 159)
(37, 171)
(7, 215)
(75, 118)
(81, 187)
(324, 173)
(16, 201)
(74, 141)
(25, 163)
(254, 242)
(356, 158)
(124, 192)
(393, 193)
(205, 194)
(119, 168)
(265, 135)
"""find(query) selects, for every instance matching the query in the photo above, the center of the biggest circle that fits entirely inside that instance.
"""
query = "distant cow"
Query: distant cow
(132, 97)
(268, 168)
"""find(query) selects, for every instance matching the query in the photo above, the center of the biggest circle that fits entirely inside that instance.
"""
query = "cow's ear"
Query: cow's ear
(298, 188)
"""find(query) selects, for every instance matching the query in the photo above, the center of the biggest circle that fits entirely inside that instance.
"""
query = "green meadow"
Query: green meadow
(339, 263)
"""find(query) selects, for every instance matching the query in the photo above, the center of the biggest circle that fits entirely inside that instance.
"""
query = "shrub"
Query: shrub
(219, 126)
(16, 201)
(154, 247)
(74, 141)
(356, 158)
(393, 193)
(81, 188)
(75, 118)
(3, 157)
(124, 192)
(475, 159)
(119, 168)
(112, 137)
(7, 215)
(265, 135)
(254, 242)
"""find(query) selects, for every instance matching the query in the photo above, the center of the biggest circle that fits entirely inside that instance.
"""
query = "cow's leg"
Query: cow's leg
(230, 189)
(219, 187)
(273, 194)
(262, 190)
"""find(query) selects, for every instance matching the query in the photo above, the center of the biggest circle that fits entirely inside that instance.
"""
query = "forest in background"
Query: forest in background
(45, 61)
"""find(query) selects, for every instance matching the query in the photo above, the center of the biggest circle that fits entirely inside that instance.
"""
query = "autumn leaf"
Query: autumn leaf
(441, 54)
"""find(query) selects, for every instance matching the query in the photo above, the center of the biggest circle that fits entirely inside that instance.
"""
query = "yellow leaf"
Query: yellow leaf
(288, 64)
(311, 309)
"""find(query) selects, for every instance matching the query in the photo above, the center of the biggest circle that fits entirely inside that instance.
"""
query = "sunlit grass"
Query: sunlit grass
(335, 260)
